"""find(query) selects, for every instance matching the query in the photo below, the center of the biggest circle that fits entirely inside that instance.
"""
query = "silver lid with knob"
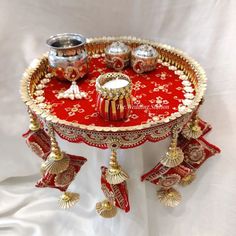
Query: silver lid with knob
(117, 55)
(145, 51)
(117, 48)
(144, 58)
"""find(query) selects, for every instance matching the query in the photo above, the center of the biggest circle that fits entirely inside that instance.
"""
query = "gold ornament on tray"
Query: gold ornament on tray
(169, 197)
(174, 156)
(192, 129)
(106, 209)
(68, 199)
(57, 161)
(74, 51)
(115, 174)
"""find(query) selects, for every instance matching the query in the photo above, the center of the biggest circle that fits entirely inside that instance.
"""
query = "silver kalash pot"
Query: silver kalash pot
(68, 60)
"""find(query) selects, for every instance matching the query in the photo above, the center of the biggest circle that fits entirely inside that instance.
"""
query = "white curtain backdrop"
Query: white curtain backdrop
(206, 31)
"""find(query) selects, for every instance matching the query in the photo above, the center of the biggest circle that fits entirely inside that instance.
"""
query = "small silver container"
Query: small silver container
(144, 58)
(67, 50)
(117, 55)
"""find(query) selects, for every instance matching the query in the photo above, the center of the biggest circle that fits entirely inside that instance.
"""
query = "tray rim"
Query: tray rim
(29, 74)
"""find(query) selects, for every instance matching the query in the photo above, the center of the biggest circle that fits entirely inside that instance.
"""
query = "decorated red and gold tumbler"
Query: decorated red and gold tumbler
(114, 96)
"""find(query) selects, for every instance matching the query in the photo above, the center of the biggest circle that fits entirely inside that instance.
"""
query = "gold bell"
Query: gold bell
(57, 161)
(68, 199)
(115, 174)
(169, 197)
(106, 209)
(174, 155)
(192, 129)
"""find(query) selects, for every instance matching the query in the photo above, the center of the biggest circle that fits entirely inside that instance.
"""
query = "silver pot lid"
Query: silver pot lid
(145, 51)
(117, 48)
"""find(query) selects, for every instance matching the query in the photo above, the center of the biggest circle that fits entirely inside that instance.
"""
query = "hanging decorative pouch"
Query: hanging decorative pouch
(36, 138)
(115, 193)
(62, 180)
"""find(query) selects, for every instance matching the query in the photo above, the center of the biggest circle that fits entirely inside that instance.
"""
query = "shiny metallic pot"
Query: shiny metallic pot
(67, 52)
(117, 56)
(144, 58)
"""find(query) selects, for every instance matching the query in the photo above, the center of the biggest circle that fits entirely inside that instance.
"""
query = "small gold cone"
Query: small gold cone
(68, 199)
(169, 197)
(192, 130)
(106, 209)
(187, 180)
(174, 155)
(34, 124)
(57, 161)
(114, 174)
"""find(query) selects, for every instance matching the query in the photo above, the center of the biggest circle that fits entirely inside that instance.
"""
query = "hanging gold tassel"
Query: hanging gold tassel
(192, 129)
(34, 124)
(68, 199)
(106, 209)
(57, 161)
(169, 197)
(187, 180)
(42, 169)
(174, 155)
(114, 174)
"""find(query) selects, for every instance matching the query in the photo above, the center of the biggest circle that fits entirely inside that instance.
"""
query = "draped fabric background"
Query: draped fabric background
(206, 31)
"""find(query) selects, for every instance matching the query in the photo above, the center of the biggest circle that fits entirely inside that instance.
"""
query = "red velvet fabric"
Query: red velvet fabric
(205, 127)
(166, 176)
(38, 142)
(117, 194)
(157, 93)
(64, 179)
(196, 152)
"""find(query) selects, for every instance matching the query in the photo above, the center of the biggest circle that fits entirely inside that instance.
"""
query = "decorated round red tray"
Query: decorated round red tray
(161, 99)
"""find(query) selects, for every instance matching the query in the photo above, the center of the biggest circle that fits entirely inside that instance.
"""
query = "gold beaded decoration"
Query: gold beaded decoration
(34, 124)
(106, 209)
(68, 199)
(174, 156)
(169, 197)
(115, 174)
(192, 129)
(187, 180)
(57, 161)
